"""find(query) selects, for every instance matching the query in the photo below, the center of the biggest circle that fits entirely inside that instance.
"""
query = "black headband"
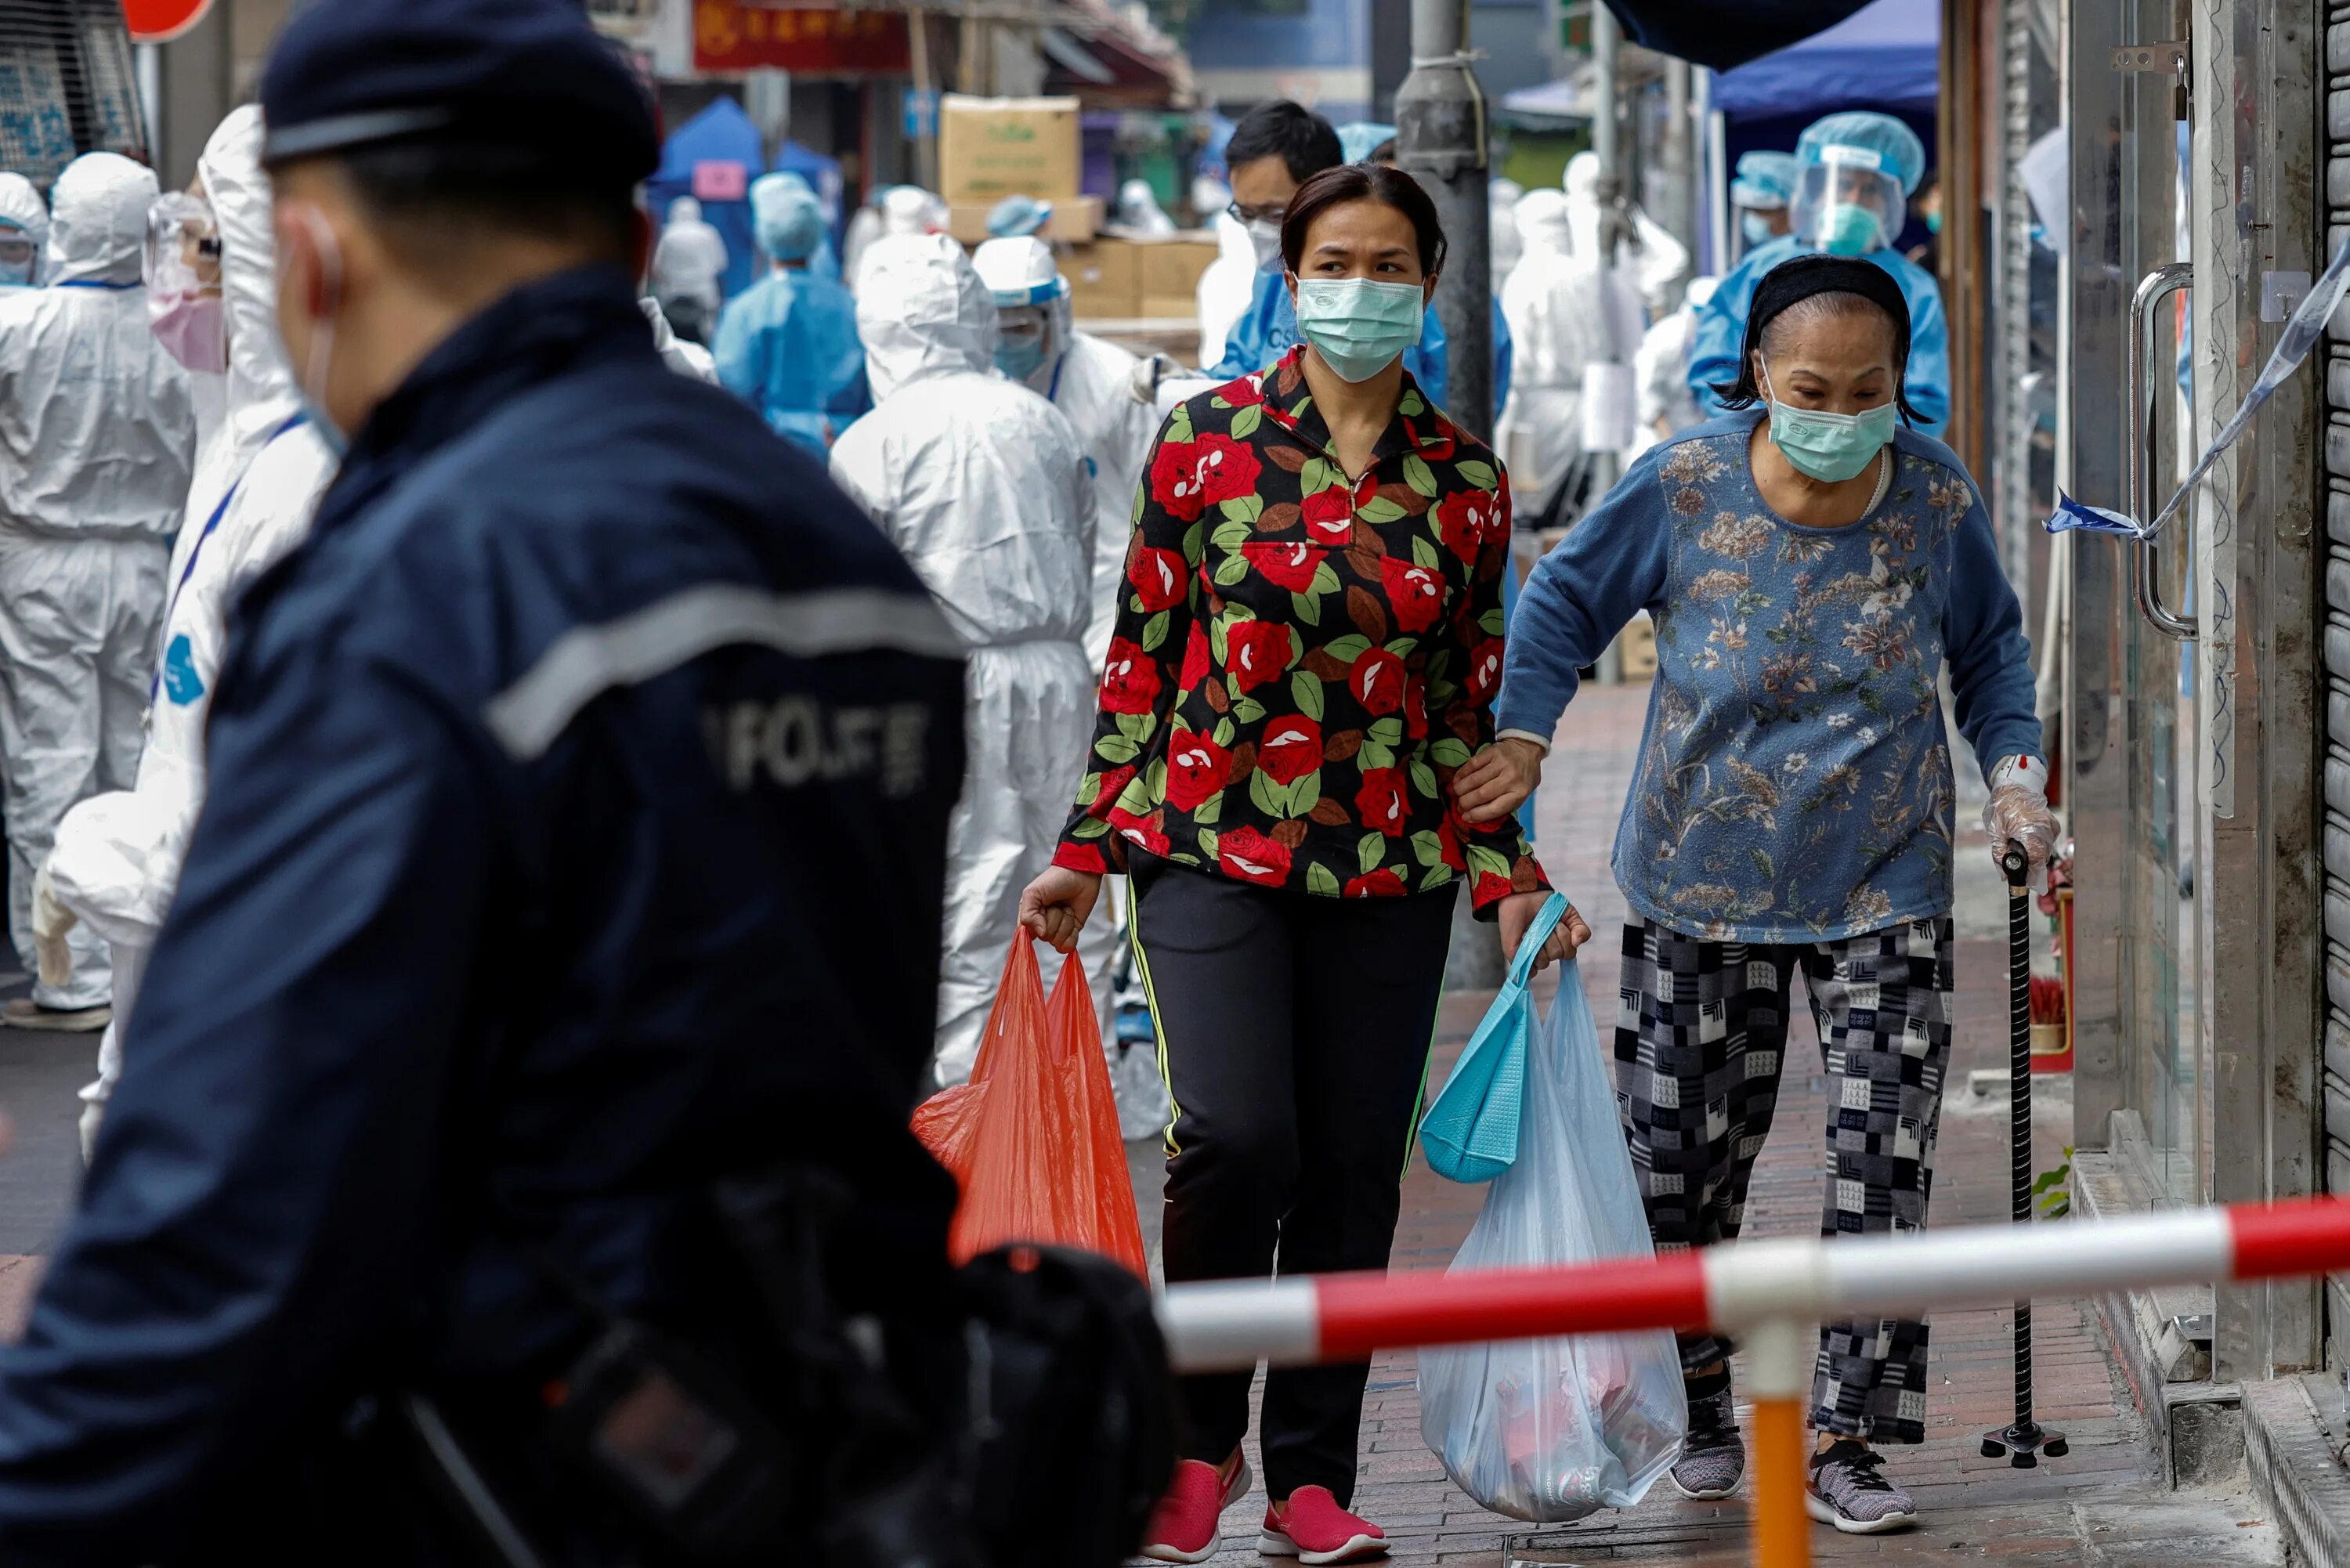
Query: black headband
(1804, 277)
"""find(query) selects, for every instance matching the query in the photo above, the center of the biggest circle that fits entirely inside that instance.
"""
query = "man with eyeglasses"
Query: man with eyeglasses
(1276, 148)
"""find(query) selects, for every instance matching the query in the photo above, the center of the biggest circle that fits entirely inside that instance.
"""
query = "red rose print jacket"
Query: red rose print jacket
(1300, 664)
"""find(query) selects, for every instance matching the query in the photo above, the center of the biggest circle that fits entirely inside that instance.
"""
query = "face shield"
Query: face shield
(182, 268)
(1848, 203)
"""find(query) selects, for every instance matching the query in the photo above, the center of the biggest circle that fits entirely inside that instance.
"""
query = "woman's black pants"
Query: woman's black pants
(1294, 1034)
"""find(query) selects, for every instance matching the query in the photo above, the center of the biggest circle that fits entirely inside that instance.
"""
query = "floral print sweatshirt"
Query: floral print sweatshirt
(1794, 778)
(1302, 662)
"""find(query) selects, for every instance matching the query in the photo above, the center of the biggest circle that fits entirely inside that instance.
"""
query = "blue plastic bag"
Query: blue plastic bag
(1470, 1132)
(1550, 1431)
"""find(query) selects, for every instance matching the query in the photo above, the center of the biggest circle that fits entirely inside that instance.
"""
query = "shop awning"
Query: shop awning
(1886, 56)
(1723, 34)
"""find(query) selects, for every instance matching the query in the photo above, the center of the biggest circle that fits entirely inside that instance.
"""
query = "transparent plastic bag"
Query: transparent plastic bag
(1552, 1430)
(1033, 1139)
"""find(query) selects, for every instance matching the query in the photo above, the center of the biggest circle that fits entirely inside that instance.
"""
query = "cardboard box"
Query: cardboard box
(1169, 307)
(1638, 645)
(1171, 266)
(1105, 279)
(1074, 218)
(991, 148)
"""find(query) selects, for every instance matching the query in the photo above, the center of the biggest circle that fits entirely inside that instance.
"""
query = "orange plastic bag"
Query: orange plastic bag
(1032, 1139)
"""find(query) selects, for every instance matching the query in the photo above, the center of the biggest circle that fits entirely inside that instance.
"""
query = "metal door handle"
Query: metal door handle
(2159, 284)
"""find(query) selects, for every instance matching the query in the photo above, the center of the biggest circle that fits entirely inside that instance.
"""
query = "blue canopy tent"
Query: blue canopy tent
(1886, 56)
(722, 133)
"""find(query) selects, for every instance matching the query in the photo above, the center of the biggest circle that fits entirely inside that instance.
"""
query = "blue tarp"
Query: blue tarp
(721, 133)
(1886, 56)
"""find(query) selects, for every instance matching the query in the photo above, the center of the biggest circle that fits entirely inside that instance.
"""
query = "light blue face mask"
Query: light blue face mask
(1756, 228)
(1830, 448)
(1358, 325)
(1849, 228)
(1018, 357)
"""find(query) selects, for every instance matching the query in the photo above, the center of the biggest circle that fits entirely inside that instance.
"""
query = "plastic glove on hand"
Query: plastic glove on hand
(2018, 813)
(51, 921)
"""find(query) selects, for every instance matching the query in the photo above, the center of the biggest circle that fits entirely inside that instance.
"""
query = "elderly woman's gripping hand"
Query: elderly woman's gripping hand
(1497, 780)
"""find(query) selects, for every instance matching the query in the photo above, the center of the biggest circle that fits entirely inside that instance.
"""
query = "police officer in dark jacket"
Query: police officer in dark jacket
(580, 795)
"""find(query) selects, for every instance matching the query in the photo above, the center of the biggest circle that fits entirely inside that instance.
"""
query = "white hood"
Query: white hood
(98, 220)
(21, 206)
(260, 391)
(1544, 227)
(922, 311)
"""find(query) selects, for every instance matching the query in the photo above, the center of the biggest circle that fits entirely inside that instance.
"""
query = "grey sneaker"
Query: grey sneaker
(1713, 1456)
(1847, 1491)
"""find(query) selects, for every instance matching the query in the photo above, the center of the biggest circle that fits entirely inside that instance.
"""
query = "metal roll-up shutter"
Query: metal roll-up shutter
(66, 86)
(2336, 651)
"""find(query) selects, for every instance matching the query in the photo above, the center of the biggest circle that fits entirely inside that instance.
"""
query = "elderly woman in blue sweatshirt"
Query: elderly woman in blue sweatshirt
(1812, 567)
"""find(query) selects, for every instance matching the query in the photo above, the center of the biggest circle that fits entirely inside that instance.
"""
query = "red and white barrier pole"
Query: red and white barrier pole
(1770, 1292)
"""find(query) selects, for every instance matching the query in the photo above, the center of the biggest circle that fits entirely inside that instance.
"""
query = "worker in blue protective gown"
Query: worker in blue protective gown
(1853, 173)
(574, 844)
(788, 345)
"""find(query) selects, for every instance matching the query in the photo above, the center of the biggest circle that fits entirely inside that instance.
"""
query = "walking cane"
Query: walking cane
(2027, 1439)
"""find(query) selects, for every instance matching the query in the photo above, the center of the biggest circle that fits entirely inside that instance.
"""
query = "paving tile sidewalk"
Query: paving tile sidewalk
(2103, 1504)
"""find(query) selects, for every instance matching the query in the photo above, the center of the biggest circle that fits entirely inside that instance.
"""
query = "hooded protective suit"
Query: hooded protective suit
(1226, 286)
(260, 469)
(689, 267)
(97, 442)
(1662, 364)
(903, 211)
(787, 345)
(1565, 316)
(982, 484)
(1502, 199)
(1654, 259)
(25, 220)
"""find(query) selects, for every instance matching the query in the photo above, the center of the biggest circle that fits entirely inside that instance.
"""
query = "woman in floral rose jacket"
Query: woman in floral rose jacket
(1811, 571)
(1309, 652)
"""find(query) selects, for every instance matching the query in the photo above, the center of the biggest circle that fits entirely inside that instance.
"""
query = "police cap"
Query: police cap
(526, 76)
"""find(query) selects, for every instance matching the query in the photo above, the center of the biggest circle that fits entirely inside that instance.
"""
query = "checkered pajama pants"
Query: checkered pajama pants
(1700, 1036)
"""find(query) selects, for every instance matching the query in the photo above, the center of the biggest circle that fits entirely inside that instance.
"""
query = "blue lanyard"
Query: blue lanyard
(155, 681)
(1053, 393)
(96, 283)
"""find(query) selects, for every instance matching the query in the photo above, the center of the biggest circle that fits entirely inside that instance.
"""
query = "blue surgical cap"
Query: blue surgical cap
(786, 216)
(1765, 179)
(1016, 216)
(1904, 156)
(1362, 138)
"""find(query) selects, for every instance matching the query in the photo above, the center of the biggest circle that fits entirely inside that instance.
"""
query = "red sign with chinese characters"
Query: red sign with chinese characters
(730, 35)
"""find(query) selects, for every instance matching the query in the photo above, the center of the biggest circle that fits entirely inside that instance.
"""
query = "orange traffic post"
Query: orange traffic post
(1779, 1356)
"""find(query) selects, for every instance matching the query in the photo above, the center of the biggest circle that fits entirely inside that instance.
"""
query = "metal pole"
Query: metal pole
(1440, 113)
(1680, 164)
(2024, 1441)
(1607, 141)
(1440, 138)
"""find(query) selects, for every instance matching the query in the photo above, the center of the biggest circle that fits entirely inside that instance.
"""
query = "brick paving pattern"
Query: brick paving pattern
(2105, 1503)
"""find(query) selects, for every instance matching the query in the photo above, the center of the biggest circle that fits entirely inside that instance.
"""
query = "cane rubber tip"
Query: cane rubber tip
(2055, 1447)
(1992, 1451)
(2025, 1461)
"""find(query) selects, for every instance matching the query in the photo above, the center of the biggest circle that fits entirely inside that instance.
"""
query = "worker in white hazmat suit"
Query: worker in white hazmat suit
(1226, 288)
(1502, 199)
(689, 267)
(96, 441)
(1564, 316)
(1662, 366)
(904, 211)
(260, 468)
(1092, 383)
(1655, 260)
(982, 484)
(23, 232)
(1138, 212)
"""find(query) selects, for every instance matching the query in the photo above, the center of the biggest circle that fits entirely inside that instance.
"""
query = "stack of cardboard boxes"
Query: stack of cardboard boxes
(993, 148)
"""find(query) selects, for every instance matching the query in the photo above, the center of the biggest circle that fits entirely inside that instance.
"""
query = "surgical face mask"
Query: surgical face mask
(193, 328)
(1755, 227)
(1830, 448)
(1018, 357)
(1849, 228)
(1266, 239)
(1934, 223)
(17, 273)
(1358, 325)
